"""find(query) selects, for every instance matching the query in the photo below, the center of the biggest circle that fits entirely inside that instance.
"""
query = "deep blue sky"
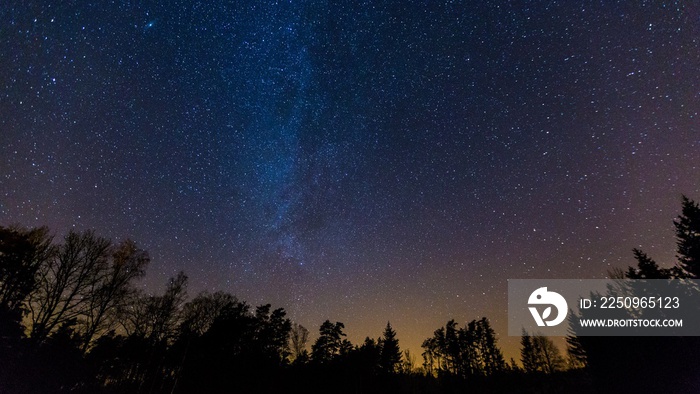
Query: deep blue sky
(356, 161)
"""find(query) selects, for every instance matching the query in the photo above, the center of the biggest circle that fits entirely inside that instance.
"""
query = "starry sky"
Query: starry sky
(356, 161)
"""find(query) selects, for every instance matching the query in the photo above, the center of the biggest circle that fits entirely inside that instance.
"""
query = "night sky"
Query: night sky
(356, 161)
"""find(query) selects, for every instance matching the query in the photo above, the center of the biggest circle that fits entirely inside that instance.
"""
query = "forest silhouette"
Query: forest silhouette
(73, 321)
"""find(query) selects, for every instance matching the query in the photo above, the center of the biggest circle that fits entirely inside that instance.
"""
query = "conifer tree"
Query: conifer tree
(527, 353)
(390, 357)
(688, 237)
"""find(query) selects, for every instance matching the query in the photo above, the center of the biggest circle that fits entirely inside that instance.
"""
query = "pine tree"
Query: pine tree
(527, 353)
(491, 355)
(390, 357)
(574, 347)
(468, 351)
(688, 248)
(688, 237)
(647, 268)
(330, 343)
(451, 346)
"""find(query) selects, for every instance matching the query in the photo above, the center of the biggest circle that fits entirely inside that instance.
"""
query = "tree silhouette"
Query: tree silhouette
(574, 348)
(22, 253)
(466, 352)
(540, 354)
(491, 355)
(615, 361)
(548, 356)
(91, 331)
(299, 337)
(144, 359)
(236, 352)
(157, 318)
(687, 227)
(431, 355)
(369, 355)
(66, 284)
(409, 362)
(200, 313)
(646, 268)
(528, 356)
(110, 292)
(272, 333)
(390, 356)
(329, 343)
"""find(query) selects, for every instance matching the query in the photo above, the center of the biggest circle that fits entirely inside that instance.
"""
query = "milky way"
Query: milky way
(356, 161)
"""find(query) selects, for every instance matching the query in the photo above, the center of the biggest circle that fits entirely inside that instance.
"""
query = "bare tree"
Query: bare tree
(539, 353)
(199, 314)
(156, 317)
(408, 364)
(109, 293)
(549, 357)
(299, 337)
(431, 356)
(65, 282)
